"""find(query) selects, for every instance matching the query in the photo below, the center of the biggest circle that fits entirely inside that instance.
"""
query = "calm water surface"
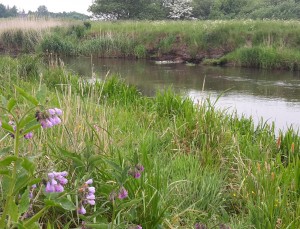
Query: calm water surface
(271, 95)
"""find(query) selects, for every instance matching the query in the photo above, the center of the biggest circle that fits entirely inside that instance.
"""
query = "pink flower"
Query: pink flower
(81, 210)
(56, 181)
(28, 135)
(58, 111)
(50, 187)
(90, 181)
(123, 193)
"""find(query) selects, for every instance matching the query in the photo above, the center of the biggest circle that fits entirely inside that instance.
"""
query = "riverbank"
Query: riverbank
(200, 165)
(259, 44)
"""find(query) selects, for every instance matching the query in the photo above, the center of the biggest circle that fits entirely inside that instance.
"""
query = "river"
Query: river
(273, 96)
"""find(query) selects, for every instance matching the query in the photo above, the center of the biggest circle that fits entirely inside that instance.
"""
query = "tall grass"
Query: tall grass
(23, 35)
(202, 165)
(275, 43)
(250, 43)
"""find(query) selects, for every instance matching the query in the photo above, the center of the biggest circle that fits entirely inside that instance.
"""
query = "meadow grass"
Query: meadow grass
(202, 165)
(216, 42)
(271, 44)
(24, 34)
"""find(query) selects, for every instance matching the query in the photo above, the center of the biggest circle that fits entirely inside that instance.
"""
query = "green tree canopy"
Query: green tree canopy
(129, 9)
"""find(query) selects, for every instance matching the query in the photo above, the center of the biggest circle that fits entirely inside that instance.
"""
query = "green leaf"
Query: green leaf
(7, 127)
(4, 101)
(115, 166)
(28, 165)
(66, 204)
(24, 202)
(50, 203)
(128, 204)
(8, 160)
(20, 225)
(21, 182)
(13, 211)
(49, 226)
(34, 181)
(95, 158)
(28, 97)
(11, 104)
(41, 94)
(26, 121)
(74, 157)
(32, 128)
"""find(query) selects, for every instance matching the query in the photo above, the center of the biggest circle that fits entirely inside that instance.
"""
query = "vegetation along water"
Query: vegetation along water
(249, 43)
(76, 154)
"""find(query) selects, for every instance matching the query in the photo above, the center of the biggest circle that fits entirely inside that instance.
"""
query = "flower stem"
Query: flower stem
(9, 197)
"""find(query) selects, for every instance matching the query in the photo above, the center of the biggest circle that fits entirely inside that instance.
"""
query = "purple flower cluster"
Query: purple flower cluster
(49, 118)
(28, 135)
(136, 172)
(56, 181)
(123, 193)
(88, 196)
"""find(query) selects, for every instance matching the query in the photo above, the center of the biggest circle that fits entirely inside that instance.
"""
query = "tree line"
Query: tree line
(42, 11)
(6, 11)
(196, 9)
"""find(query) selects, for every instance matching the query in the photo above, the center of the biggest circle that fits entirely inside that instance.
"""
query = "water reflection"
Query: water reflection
(273, 95)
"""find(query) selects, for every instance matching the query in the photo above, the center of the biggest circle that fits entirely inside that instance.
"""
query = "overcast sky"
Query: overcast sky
(80, 6)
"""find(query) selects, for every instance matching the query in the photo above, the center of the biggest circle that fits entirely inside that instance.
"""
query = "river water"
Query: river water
(273, 96)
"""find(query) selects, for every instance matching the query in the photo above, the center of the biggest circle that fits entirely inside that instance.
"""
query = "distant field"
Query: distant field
(26, 24)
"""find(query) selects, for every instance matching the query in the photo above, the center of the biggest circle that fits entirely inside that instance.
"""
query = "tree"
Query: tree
(12, 12)
(7, 11)
(202, 8)
(2, 10)
(179, 9)
(119, 9)
(129, 9)
(42, 11)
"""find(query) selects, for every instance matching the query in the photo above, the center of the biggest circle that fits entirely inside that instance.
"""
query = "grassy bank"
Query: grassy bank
(263, 44)
(19, 35)
(201, 165)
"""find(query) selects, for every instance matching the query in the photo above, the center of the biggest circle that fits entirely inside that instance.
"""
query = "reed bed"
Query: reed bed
(36, 24)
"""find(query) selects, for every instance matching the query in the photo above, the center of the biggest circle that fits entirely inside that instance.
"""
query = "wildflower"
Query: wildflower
(49, 118)
(123, 193)
(90, 181)
(140, 167)
(81, 210)
(136, 172)
(28, 135)
(87, 196)
(0, 123)
(139, 227)
(56, 181)
(200, 226)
